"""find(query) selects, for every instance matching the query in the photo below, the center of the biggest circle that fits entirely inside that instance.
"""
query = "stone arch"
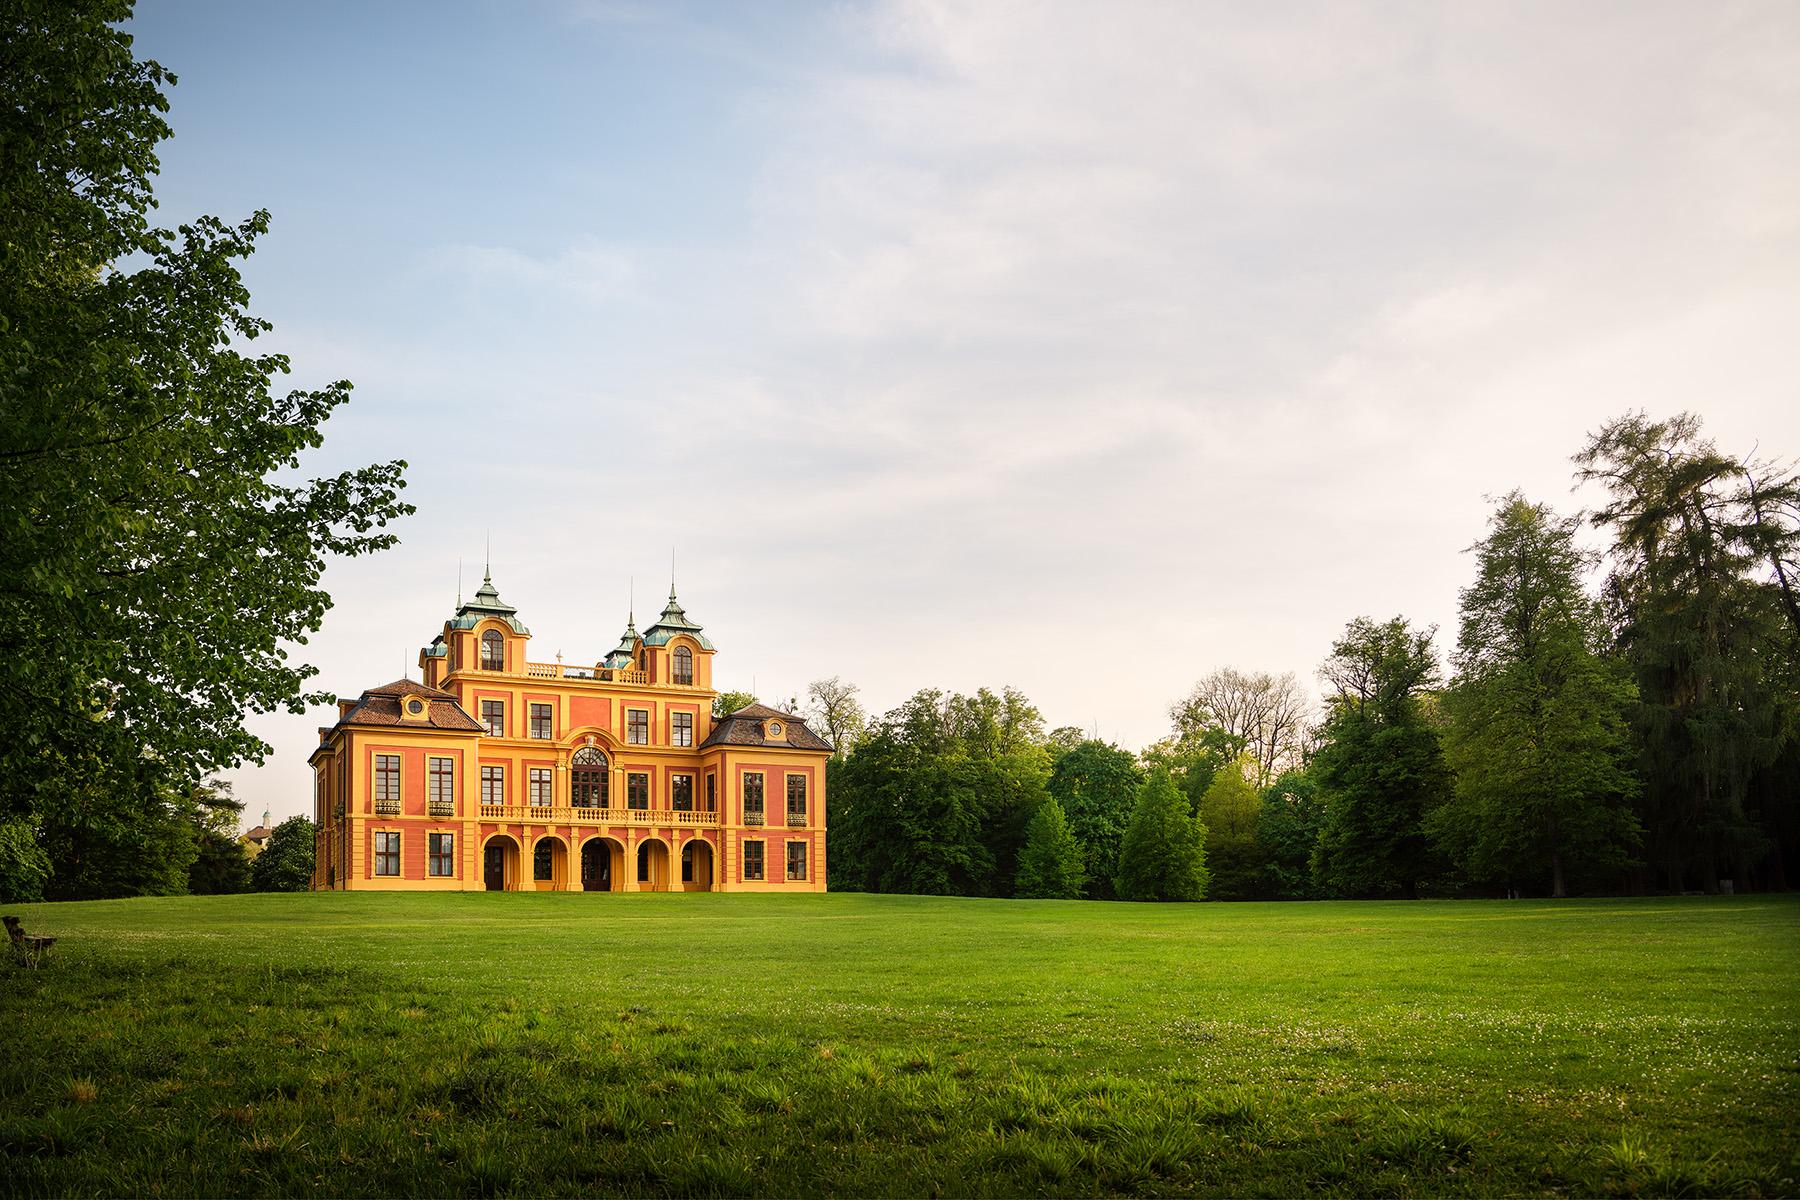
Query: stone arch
(602, 865)
(698, 865)
(500, 863)
(652, 866)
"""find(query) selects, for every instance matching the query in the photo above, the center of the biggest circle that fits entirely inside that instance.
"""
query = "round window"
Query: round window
(415, 707)
(774, 728)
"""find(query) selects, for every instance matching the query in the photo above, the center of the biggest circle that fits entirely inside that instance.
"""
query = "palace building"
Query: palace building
(500, 773)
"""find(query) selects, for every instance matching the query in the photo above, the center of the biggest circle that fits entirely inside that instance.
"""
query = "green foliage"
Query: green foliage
(24, 867)
(726, 703)
(936, 797)
(286, 861)
(1702, 603)
(1287, 831)
(1096, 785)
(221, 866)
(1050, 865)
(1537, 734)
(158, 552)
(1229, 810)
(1380, 767)
(1163, 854)
(1193, 759)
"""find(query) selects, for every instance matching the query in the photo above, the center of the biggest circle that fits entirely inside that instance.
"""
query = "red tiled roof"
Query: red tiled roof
(381, 706)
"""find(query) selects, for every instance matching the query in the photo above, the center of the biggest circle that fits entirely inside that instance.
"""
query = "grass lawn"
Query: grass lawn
(709, 1044)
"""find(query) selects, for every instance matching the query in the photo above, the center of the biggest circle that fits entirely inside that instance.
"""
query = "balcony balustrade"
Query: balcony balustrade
(599, 674)
(597, 816)
(441, 808)
(753, 818)
(796, 819)
(387, 808)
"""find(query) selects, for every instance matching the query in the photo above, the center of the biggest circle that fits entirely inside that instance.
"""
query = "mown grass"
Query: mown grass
(862, 1045)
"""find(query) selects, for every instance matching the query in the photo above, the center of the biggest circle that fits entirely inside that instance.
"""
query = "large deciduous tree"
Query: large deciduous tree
(158, 553)
(836, 714)
(1701, 599)
(1255, 713)
(1097, 785)
(1537, 732)
(1380, 766)
(286, 863)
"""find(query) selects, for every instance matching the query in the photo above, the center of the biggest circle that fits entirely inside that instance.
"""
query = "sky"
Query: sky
(1082, 348)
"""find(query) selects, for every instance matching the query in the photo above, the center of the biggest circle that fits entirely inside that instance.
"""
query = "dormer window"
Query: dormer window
(414, 709)
(774, 731)
(684, 666)
(493, 651)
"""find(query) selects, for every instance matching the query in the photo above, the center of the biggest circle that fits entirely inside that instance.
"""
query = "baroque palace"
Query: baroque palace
(504, 774)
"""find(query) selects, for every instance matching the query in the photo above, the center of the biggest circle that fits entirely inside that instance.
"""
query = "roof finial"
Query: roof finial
(459, 581)
(671, 572)
(487, 559)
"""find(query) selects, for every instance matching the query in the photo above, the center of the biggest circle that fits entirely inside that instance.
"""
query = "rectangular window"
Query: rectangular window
(540, 722)
(681, 726)
(540, 787)
(443, 853)
(753, 860)
(443, 787)
(753, 798)
(796, 799)
(712, 793)
(387, 785)
(637, 790)
(796, 864)
(387, 853)
(637, 726)
(493, 716)
(493, 785)
(681, 793)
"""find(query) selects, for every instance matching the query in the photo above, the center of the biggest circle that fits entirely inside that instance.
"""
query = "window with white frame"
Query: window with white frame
(540, 787)
(387, 852)
(681, 728)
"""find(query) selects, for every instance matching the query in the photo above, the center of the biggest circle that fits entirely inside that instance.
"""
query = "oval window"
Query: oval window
(415, 707)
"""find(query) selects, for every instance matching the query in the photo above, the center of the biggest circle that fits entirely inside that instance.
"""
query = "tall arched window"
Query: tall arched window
(587, 779)
(684, 665)
(493, 651)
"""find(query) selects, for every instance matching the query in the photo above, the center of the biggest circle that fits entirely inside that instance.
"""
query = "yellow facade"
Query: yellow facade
(495, 772)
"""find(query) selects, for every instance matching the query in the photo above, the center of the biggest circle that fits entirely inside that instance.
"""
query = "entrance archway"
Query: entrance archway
(602, 865)
(500, 864)
(549, 864)
(696, 865)
(652, 866)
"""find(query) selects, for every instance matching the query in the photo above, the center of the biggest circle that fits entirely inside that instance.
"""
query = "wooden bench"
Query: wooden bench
(29, 950)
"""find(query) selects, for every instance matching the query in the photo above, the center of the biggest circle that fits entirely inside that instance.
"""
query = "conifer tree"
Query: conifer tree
(1229, 810)
(1050, 864)
(1537, 735)
(1163, 855)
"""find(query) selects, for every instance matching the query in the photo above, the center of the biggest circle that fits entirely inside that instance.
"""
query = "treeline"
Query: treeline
(157, 840)
(1617, 720)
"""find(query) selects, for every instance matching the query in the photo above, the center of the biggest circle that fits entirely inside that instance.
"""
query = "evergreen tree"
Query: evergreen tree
(1097, 786)
(286, 863)
(1537, 733)
(1229, 810)
(1163, 853)
(1379, 765)
(1050, 865)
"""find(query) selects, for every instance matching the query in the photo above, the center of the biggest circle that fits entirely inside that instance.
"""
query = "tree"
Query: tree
(1163, 854)
(1050, 865)
(1096, 785)
(1709, 640)
(221, 865)
(1380, 766)
(1287, 830)
(158, 553)
(286, 862)
(835, 712)
(1256, 713)
(24, 867)
(1537, 734)
(1229, 810)
(726, 703)
(936, 798)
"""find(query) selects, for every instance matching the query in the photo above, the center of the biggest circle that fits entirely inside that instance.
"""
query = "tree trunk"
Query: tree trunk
(1556, 876)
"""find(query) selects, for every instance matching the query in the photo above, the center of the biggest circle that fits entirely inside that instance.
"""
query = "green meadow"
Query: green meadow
(880, 1045)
